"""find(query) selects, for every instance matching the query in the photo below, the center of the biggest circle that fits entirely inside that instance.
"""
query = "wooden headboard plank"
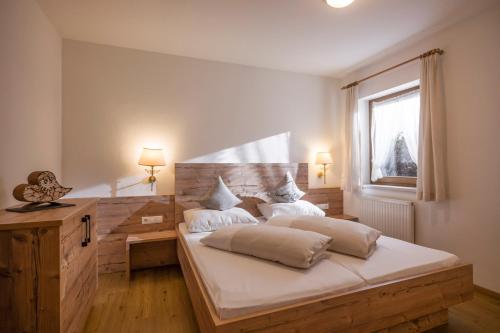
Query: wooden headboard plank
(249, 181)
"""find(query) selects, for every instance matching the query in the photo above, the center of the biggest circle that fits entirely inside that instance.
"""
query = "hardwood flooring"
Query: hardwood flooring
(157, 301)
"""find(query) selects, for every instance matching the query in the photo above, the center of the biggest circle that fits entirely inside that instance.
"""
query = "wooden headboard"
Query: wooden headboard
(246, 180)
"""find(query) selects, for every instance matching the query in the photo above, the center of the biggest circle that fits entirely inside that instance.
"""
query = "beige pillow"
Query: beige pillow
(291, 247)
(349, 237)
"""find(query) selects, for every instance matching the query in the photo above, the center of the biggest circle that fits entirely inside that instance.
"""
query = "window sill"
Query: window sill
(389, 188)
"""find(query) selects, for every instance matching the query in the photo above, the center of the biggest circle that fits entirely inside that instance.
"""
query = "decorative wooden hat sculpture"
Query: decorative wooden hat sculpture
(41, 192)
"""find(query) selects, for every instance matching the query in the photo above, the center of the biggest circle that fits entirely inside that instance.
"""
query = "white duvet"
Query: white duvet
(395, 259)
(240, 284)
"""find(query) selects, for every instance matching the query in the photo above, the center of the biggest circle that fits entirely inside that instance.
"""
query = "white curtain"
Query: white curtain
(390, 118)
(410, 131)
(350, 180)
(431, 181)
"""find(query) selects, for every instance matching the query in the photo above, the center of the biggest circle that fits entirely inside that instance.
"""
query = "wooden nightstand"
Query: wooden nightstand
(151, 249)
(345, 217)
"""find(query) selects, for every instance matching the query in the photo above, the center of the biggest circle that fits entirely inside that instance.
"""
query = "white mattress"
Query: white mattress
(396, 259)
(240, 284)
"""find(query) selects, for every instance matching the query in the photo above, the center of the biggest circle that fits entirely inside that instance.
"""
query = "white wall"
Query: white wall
(117, 100)
(469, 223)
(30, 95)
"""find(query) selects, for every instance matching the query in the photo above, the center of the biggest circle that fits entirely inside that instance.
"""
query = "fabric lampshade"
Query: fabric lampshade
(324, 158)
(152, 157)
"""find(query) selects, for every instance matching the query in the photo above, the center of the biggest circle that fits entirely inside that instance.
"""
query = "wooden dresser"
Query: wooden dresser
(48, 268)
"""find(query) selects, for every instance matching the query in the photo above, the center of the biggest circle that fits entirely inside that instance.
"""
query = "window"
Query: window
(394, 138)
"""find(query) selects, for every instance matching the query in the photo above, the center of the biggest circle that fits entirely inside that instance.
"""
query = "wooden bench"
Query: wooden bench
(151, 249)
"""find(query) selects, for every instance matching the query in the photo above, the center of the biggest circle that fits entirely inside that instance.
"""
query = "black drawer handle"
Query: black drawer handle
(86, 237)
(88, 227)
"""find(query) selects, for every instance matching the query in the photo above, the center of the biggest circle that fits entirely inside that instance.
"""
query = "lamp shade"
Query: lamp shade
(152, 157)
(324, 158)
(339, 3)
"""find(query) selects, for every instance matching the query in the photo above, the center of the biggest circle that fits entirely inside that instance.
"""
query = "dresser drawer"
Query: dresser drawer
(78, 269)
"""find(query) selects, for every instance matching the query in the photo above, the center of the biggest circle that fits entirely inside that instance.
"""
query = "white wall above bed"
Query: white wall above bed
(117, 100)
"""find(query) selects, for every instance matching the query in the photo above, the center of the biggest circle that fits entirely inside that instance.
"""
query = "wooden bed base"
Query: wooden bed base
(413, 304)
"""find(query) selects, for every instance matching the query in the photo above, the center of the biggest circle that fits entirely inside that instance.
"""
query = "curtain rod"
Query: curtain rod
(423, 55)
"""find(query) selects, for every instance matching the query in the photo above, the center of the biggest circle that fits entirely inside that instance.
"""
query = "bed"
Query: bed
(402, 287)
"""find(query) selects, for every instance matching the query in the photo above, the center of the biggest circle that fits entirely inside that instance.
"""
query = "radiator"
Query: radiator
(395, 218)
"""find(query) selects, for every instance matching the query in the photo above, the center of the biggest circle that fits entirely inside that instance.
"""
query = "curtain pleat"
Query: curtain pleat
(431, 181)
(350, 179)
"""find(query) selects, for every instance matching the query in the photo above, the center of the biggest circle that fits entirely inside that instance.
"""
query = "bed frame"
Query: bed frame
(414, 304)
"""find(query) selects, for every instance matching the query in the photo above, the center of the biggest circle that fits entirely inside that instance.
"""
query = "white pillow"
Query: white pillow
(286, 191)
(299, 207)
(219, 197)
(202, 220)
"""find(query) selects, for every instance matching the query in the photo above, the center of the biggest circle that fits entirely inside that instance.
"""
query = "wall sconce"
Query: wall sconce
(323, 158)
(151, 158)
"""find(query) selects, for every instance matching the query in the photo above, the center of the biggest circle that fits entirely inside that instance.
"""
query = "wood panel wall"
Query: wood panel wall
(119, 217)
(249, 181)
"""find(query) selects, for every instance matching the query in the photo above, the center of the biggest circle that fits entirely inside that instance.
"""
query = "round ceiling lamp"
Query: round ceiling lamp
(339, 3)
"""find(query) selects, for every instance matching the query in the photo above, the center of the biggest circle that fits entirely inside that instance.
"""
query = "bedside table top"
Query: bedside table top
(154, 236)
(345, 217)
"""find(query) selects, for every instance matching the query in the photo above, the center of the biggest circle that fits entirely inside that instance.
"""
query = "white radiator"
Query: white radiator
(395, 218)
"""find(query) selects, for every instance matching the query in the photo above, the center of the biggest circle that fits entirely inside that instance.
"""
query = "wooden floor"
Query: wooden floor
(157, 301)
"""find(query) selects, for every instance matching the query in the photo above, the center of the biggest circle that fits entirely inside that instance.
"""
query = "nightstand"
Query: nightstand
(151, 249)
(345, 217)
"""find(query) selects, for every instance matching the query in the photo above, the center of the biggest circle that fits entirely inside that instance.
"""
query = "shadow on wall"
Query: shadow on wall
(272, 149)
(136, 185)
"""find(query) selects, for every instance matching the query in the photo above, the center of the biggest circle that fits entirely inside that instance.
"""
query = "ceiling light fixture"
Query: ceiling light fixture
(339, 3)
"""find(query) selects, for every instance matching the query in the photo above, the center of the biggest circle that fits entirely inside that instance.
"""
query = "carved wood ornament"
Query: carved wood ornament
(42, 187)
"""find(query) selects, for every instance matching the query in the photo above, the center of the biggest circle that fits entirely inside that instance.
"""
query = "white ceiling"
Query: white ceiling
(303, 36)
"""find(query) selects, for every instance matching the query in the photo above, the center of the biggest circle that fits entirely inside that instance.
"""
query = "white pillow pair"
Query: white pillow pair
(221, 212)
(202, 220)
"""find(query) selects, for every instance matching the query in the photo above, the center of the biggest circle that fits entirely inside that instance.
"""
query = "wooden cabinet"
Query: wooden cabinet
(48, 268)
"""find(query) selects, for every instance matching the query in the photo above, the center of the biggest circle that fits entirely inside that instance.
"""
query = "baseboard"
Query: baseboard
(488, 292)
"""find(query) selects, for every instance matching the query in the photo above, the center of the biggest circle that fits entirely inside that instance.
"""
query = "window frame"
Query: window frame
(392, 180)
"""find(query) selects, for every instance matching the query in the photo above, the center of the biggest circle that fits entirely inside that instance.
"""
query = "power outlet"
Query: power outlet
(152, 219)
(323, 206)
